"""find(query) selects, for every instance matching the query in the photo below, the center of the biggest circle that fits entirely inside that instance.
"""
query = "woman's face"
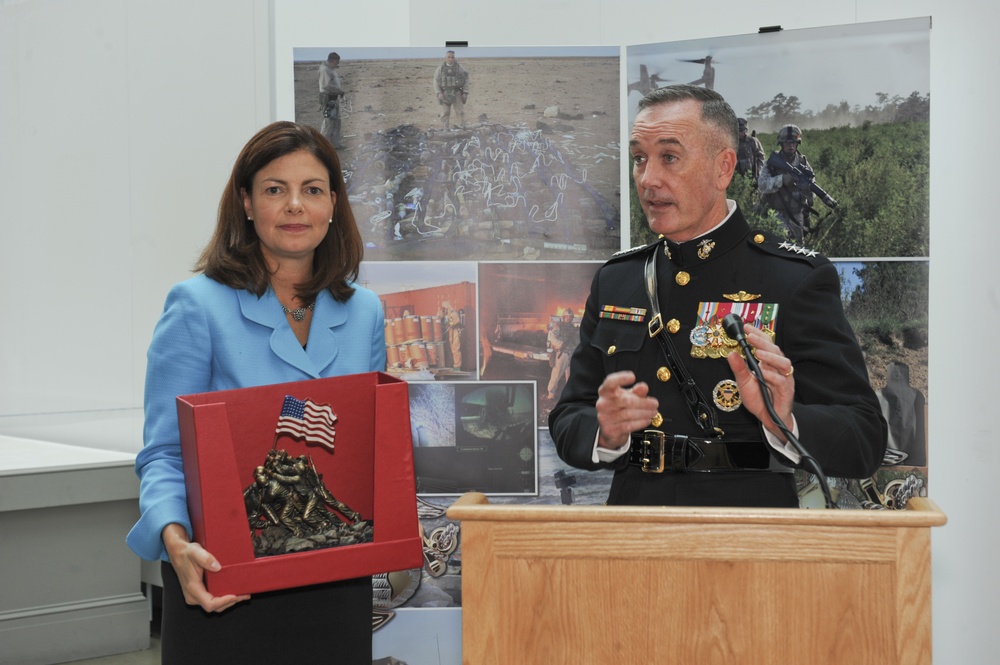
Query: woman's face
(291, 206)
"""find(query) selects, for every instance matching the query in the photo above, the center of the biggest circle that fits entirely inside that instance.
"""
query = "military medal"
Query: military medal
(709, 339)
(635, 314)
(717, 337)
(726, 395)
(699, 340)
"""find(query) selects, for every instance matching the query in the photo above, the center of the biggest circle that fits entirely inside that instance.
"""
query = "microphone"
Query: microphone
(732, 323)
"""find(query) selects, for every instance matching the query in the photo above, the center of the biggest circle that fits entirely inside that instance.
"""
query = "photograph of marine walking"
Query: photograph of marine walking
(834, 130)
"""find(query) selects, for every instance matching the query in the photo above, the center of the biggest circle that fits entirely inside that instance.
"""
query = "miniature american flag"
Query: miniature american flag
(307, 420)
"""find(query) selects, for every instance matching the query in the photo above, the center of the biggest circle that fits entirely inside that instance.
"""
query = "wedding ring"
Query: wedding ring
(791, 370)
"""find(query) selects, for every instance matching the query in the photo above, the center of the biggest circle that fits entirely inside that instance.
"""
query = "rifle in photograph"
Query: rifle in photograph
(804, 176)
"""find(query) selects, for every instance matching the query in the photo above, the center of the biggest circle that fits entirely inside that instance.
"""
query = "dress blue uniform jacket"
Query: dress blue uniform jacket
(836, 410)
(212, 337)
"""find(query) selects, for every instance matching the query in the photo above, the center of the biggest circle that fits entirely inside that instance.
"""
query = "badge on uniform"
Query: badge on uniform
(726, 395)
(635, 314)
(709, 339)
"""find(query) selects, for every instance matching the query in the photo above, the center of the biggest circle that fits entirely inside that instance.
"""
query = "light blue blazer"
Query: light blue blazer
(212, 337)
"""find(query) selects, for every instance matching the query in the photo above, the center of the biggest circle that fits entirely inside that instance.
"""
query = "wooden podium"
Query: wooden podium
(629, 585)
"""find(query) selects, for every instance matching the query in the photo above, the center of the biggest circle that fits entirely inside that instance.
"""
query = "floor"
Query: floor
(150, 656)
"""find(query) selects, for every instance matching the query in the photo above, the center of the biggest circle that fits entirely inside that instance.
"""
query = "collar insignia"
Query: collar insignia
(705, 248)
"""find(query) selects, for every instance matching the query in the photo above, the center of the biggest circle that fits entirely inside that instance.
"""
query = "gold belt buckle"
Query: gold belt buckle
(651, 439)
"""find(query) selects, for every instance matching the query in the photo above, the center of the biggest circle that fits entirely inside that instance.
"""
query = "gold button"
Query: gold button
(663, 374)
(657, 420)
(682, 278)
(611, 350)
(673, 325)
(759, 238)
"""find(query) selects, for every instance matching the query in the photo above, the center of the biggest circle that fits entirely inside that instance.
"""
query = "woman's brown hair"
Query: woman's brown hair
(233, 255)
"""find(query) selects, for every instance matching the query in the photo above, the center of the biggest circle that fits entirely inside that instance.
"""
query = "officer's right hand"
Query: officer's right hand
(787, 179)
(623, 407)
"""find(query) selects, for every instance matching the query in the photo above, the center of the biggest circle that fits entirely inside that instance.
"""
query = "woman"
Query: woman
(275, 302)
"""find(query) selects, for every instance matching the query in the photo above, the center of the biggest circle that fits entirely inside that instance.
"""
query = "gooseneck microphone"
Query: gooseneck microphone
(733, 325)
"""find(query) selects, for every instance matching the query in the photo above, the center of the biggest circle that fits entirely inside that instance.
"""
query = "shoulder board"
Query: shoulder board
(638, 249)
(772, 244)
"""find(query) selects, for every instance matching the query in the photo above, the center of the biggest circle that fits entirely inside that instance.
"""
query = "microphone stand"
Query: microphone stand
(733, 325)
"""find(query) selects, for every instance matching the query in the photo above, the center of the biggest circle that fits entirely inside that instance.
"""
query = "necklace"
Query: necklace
(300, 313)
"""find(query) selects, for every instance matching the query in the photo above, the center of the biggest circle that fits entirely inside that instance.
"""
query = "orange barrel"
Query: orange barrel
(391, 355)
(390, 337)
(432, 355)
(418, 354)
(404, 353)
(398, 334)
(427, 329)
(411, 327)
(438, 335)
(438, 353)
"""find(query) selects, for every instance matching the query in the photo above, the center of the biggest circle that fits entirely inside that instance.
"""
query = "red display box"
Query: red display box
(225, 435)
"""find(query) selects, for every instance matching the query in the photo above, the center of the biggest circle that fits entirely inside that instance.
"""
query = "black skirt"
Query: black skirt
(326, 623)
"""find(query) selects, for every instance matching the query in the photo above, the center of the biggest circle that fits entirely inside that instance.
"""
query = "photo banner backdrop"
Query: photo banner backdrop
(488, 196)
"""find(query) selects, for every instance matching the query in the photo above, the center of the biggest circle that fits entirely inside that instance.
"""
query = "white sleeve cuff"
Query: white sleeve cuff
(785, 449)
(606, 455)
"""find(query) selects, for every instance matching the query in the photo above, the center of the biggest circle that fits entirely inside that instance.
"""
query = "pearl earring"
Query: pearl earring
(331, 221)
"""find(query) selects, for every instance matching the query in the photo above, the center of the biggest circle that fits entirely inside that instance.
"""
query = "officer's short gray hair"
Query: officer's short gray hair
(715, 110)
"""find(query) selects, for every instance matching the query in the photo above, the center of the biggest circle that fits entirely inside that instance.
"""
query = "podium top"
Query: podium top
(919, 512)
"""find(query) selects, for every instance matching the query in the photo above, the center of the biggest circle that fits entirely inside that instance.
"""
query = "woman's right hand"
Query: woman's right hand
(190, 561)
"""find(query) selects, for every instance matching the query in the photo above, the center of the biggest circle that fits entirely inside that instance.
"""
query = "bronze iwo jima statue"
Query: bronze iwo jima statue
(290, 509)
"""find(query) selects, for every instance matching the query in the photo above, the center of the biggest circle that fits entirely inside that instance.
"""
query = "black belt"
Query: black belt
(655, 452)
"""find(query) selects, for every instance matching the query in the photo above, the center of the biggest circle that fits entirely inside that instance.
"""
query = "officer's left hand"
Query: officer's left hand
(778, 373)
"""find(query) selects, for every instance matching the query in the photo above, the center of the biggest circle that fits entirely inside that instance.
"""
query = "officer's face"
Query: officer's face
(680, 170)
(789, 148)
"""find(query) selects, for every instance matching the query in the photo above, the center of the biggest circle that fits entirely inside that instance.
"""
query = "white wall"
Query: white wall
(119, 121)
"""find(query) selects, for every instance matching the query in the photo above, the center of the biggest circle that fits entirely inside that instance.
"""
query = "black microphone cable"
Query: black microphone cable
(733, 325)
